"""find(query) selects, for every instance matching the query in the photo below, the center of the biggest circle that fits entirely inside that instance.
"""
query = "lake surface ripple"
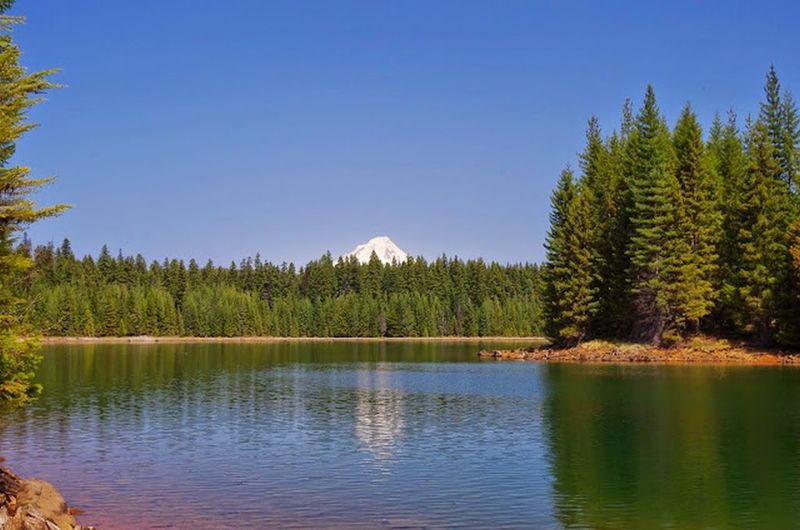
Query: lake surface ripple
(405, 435)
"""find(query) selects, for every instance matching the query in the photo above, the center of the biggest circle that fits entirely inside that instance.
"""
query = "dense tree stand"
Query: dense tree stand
(677, 234)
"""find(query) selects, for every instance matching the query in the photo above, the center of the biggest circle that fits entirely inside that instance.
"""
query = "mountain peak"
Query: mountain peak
(383, 246)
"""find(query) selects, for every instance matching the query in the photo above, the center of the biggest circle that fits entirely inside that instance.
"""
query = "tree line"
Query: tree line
(125, 295)
(670, 232)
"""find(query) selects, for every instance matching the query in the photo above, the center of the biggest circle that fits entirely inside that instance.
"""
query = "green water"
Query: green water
(344, 435)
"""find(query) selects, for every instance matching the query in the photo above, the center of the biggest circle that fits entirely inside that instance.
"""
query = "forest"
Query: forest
(125, 295)
(667, 233)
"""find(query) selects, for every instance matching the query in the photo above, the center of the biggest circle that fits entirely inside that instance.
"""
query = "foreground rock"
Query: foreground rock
(32, 505)
(701, 350)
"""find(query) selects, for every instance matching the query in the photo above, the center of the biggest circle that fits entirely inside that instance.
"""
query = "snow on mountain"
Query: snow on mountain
(384, 247)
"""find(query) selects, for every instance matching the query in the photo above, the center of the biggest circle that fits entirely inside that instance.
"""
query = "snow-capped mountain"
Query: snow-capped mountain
(384, 247)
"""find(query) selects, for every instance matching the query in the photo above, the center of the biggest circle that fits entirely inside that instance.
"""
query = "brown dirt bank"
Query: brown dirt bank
(33, 505)
(695, 351)
(265, 340)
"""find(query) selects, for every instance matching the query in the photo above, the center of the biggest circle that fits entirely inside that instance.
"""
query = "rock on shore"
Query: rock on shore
(32, 505)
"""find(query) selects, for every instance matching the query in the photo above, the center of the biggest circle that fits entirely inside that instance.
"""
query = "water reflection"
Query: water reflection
(634, 447)
(406, 434)
(313, 435)
(380, 414)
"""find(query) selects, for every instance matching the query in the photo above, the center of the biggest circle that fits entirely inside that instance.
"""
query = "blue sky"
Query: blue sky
(208, 129)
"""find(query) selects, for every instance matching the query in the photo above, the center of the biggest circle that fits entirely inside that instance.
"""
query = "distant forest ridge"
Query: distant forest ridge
(125, 296)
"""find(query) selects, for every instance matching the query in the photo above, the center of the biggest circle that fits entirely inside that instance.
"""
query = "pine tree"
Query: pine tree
(657, 251)
(770, 110)
(105, 265)
(556, 266)
(88, 328)
(762, 235)
(602, 187)
(19, 91)
(789, 155)
(729, 161)
(702, 219)
(779, 114)
(628, 120)
(616, 300)
(571, 287)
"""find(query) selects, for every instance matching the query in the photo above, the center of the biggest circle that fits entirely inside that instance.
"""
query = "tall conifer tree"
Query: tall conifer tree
(788, 157)
(615, 316)
(770, 109)
(729, 161)
(570, 292)
(599, 182)
(763, 234)
(657, 251)
(701, 219)
(779, 114)
(19, 91)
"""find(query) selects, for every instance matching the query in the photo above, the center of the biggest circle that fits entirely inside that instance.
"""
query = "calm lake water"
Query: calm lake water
(406, 435)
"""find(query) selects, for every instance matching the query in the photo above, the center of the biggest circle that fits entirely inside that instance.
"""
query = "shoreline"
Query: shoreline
(269, 340)
(698, 351)
(701, 350)
(33, 504)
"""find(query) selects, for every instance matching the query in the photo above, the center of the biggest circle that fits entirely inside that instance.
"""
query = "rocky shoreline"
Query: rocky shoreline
(696, 351)
(33, 505)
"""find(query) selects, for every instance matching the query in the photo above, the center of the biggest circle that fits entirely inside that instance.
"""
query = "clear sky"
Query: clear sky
(193, 128)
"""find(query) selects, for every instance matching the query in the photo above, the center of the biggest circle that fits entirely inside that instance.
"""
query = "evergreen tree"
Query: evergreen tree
(571, 291)
(789, 155)
(762, 236)
(656, 249)
(778, 112)
(615, 302)
(105, 265)
(701, 217)
(770, 110)
(628, 124)
(729, 161)
(555, 266)
(19, 91)
(602, 188)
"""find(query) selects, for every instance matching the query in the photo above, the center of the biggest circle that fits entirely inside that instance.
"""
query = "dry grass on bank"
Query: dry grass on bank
(699, 350)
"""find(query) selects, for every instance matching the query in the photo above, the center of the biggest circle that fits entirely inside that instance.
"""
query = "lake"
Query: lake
(405, 435)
